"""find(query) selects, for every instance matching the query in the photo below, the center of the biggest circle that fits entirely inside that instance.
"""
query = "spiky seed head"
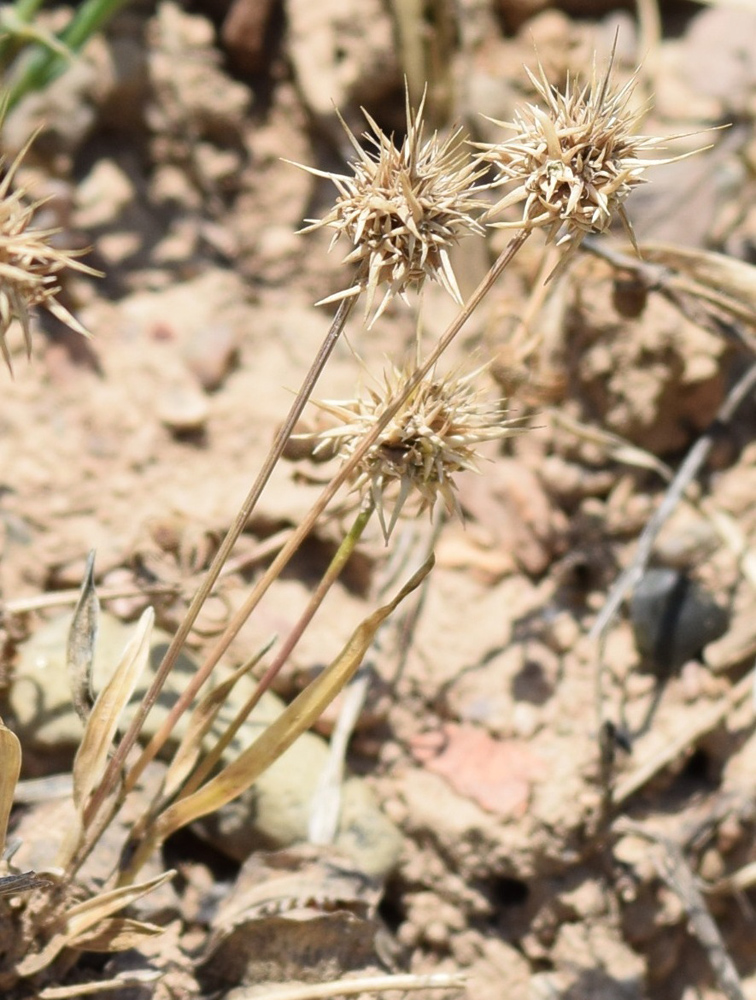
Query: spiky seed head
(402, 209)
(433, 436)
(29, 263)
(574, 162)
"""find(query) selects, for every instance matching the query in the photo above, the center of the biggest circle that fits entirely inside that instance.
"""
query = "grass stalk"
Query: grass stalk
(309, 520)
(45, 63)
(335, 568)
(132, 733)
(13, 23)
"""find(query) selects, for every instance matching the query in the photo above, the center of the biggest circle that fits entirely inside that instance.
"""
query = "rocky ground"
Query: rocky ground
(552, 816)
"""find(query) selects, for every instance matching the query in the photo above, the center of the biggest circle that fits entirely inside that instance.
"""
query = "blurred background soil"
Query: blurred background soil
(163, 148)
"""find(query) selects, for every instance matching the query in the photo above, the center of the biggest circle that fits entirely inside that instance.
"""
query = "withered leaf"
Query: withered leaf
(82, 637)
(280, 734)
(115, 934)
(102, 725)
(84, 917)
(10, 767)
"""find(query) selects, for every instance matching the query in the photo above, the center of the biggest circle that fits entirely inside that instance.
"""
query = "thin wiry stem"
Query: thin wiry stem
(118, 759)
(342, 476)
(335, 568)
(132, 733)
(48, 62)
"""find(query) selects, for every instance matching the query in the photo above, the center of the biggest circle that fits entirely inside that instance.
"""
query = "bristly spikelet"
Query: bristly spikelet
(433, 436)
(574, 163)
(402, 209)
(29, 264)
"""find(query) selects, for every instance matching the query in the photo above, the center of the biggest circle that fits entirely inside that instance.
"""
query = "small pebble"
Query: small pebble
(673, 618)
(183, 410)
(210, 354)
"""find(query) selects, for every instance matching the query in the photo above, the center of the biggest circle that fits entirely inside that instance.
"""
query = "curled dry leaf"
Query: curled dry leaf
(82, 637)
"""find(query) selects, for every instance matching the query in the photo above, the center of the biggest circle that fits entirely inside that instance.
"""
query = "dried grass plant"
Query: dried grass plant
(29, 262)
(572, 163)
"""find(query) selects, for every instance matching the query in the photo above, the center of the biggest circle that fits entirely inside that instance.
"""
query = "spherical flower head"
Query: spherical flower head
(29, 264)
(433, 435)
(402, 209)
(574, 162)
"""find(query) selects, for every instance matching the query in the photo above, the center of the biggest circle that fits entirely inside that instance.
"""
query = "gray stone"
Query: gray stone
(673, 618)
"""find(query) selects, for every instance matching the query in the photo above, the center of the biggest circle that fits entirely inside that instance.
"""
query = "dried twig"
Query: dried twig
(60, 598)
(675, 872)
(647, 769)
(689, 294)
(685, 474)
(364, 984)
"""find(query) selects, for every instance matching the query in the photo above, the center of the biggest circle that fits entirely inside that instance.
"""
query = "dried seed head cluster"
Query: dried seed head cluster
(29, 264)
(432, 436)
(574, 163)
(402, 209)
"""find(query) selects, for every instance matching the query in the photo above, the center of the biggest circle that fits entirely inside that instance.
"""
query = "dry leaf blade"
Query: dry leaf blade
(292, 722)
(82, 637)
(84, 916)
(10, 768)
(102, 725)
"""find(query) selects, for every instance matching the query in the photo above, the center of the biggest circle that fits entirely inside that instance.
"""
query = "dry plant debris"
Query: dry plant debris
(575, 162)
(403, 209)
(432, 436)
(30, 263)
(508, 871)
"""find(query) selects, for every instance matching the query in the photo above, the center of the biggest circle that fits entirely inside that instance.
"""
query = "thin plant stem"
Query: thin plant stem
(335, 568)
(171, 655)
(12, 21)
(108, 782)
(366, 984)
(309, 520)
(633, 574)
(45, 64)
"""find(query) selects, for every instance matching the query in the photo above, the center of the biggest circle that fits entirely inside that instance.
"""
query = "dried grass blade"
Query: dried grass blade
(82, 637)
(10, 768)
(199, 723)
(84, 916)
(116, 934)
(721, 280)
(139, 979)
(293, 721)
(92, 755)
(617, 447)
(12, 885)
